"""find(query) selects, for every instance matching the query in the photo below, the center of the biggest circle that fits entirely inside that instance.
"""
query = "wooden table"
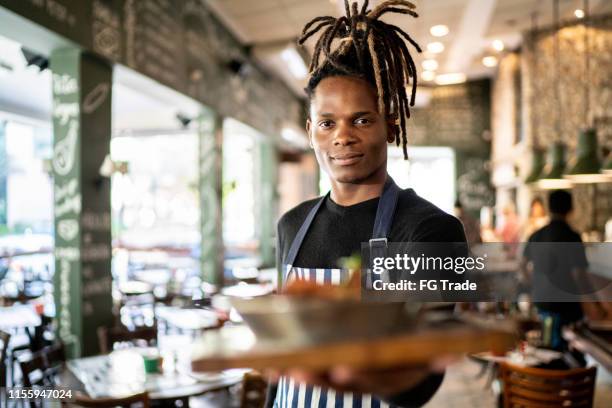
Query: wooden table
(155, 277)
(122, 373)
(595, 341)
(531, 357)
(248, 290)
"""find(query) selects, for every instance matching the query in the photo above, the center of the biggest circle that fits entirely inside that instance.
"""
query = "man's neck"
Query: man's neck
(558, 217)
(346, 194)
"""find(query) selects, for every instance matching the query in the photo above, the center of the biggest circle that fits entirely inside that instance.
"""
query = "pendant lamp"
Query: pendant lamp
(555, 166)
(537, 165)
(552, 176)
(537, 154)
(607, 166)
(586, 166)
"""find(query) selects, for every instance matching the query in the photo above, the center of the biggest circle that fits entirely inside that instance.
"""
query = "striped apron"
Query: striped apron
(291, 394)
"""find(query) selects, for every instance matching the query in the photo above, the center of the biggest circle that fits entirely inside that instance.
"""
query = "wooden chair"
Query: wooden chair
(4, 343)
(254, 389)
(33, 371)
(541, 388)
(140, 400)
(109, 336)
(55, 357)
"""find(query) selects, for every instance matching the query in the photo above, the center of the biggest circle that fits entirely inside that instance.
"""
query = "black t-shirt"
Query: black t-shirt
(556, 250)
(338, 231)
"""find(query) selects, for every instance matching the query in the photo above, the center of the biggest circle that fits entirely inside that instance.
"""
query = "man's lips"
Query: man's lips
(346, 159)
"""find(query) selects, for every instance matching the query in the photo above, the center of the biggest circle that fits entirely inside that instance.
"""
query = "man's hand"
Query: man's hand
(380, 382)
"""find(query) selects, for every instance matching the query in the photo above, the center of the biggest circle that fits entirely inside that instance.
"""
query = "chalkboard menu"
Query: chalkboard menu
(177, 43)
(69, 18)
(474, 188)
(81, 127)
(3, 174)
(458, 116)
(152, 35)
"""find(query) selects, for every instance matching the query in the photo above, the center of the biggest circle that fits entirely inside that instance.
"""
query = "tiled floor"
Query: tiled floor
(461, 389)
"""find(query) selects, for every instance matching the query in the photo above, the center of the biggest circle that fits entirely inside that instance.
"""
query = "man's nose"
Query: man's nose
(344, 134)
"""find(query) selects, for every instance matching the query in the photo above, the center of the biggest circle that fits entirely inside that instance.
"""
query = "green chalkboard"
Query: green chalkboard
(81, 127)
(3, 175)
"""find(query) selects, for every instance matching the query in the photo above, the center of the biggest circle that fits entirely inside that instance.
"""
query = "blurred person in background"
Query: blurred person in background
(558, 271)
(470, 224)
(509, 231)
(537, 217)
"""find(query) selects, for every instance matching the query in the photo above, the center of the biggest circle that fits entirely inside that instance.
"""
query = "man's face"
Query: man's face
(346, 131)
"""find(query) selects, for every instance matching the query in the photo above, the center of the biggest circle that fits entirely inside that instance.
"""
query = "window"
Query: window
(156, 202)
(26, 187)
(239, 182)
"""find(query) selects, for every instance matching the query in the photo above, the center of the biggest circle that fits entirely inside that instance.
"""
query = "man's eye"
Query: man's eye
(362, 121)
(325, 124)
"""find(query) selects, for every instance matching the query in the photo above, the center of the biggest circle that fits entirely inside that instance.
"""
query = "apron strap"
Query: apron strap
(382, 227)
(386, 209)
(301, 234)
(382, 224)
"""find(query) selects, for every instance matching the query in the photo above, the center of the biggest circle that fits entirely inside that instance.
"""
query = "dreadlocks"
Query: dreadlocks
(371, 49)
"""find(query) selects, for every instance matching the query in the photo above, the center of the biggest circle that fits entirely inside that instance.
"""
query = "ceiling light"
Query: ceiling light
(498, 45)
(428, 76)
(294, 62)
(439, 30)
(449, 79)
(489, 61)
(435, 47)
(430, 65)
(579, 13)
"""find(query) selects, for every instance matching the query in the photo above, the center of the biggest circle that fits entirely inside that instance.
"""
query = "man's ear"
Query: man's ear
(308, 128)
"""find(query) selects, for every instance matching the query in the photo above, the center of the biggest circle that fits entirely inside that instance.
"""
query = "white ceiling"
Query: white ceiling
(473, 25)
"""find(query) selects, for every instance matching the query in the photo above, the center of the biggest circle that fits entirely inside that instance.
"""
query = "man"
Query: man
(470, 225)
(559, 262)
(358, 104)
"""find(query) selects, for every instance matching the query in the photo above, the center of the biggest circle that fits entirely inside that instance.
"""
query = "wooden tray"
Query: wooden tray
(236, 347)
